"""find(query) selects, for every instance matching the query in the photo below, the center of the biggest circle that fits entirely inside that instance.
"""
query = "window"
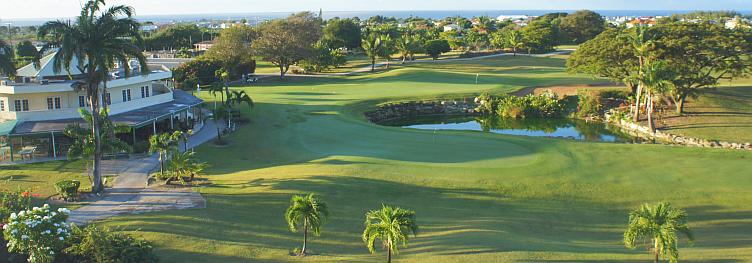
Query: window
(143, 92)
(147, 90)
(21, 105)
(2, 105)
(126, 95)
(53, 103)
(81, 101)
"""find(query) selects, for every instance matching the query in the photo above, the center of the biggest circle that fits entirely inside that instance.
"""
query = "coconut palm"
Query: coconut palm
(392, 225)
(6, 59)
(306, 212)
(407, 45)
(660, 224)
(642, 45)
(164, 144)
(514, 41)
(372, 45)
(655, 80)
(96, 39)
(219, 115)
(240, 96)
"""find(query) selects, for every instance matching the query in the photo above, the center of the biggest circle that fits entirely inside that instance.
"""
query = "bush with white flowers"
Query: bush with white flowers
(39, 233)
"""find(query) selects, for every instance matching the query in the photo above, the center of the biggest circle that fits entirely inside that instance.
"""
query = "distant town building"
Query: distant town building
(149, 28)
(642, 21)
(452, 27)
(203, 45)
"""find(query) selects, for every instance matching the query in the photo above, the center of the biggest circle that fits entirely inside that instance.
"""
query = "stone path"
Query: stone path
(130, 194)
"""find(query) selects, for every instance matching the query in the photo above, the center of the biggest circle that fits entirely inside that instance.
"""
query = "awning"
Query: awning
(6, 127)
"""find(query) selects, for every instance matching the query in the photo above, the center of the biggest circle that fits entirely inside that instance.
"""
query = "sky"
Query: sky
(15, 9)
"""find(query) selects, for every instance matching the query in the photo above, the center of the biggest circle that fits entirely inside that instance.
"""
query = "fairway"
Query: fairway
(479, 197)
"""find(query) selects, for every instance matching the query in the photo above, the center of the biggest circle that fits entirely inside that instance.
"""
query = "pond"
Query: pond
(552, 128)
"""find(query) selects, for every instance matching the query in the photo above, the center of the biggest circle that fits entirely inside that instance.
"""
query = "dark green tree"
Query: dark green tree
(434, 48)
(343, 32)
(582, 25)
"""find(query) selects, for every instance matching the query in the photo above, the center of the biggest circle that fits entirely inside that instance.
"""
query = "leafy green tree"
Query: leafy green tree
(285, 42)
(434, 48)
(484, 25)
(6, 59)
(392, 225)
(661, 224)
(539, 37)
(476, 41)
(97, 38)
(609, 55)
(407, 45)
(702, 54)
(306, 212)
(454, 38)
(343, 32)
(26, 49)
(583, 25)
(175, 37)
(164, 144)
(233, 49)
(324, 58)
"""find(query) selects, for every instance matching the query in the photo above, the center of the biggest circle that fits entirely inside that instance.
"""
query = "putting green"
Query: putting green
(479, 197)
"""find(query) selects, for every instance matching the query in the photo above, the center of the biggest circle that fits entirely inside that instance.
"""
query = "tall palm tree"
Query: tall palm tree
(97, 39)
(407, 45)
(6, 59)
(372, 45)
(642, 45)
(306, 212)
(660, 223)
(655, 81)
(392, 225)
(514, 41)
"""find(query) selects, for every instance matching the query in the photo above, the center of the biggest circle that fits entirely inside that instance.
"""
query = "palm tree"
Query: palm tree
(164, 144)
(306, 212)
(656, 81)
(6, 59)
(642, 45)
(514, 41)
(392, 225)
(661, 223)
(407, 45)
(97, 39)
(219, 115)
(184, 164)
(82, 143)
(372, 45)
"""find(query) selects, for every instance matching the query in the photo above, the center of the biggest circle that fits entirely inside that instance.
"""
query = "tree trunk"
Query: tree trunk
(649, 110)
(93, 91)
(305, 237)
(161, 164)
(679, 103)
(281, 71)
(373, 64)
(637, 103)
(655, 251)
(389, 254)
(403, 59)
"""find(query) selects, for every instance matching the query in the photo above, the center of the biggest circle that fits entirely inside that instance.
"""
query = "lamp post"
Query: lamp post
(10, 36)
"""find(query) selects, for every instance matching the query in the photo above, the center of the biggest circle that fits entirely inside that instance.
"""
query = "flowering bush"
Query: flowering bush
(13, 202)
(68, 189)
(38, 232)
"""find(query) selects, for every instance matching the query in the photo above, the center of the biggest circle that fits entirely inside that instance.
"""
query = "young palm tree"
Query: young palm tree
(184, 164)
(219, 115)
(6, 59)
(661, 223)
(514, 40)
(82, 143)
(392, 225)
(164, 144)
(97, 39)
(306, 212)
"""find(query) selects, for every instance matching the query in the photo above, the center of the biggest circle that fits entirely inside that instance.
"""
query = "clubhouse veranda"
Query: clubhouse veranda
(38, 104)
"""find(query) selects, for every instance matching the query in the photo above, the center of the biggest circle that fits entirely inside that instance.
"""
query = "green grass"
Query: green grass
(479, 197)
(41, 177)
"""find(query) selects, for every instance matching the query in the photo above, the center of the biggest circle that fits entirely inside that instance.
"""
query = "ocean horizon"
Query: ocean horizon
(433, 14)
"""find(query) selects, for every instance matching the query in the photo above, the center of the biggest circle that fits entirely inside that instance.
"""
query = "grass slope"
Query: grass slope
(479, 197)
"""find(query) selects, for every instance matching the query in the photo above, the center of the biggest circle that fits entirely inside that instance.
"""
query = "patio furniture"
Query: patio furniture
(27, 151)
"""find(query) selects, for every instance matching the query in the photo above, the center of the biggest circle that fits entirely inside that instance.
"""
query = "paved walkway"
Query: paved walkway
(130, 194)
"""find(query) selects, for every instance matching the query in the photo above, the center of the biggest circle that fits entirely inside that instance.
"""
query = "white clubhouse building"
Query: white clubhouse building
(38, 104)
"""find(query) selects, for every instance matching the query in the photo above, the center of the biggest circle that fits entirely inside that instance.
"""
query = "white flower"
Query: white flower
(13, 216)
(5, 227)
(24, 237)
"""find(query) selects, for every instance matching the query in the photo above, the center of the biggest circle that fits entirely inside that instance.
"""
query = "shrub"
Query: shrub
(13, 202)
(39, 233)
(589, 103)
(531, 106)
(67, 189)
(92, 244)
